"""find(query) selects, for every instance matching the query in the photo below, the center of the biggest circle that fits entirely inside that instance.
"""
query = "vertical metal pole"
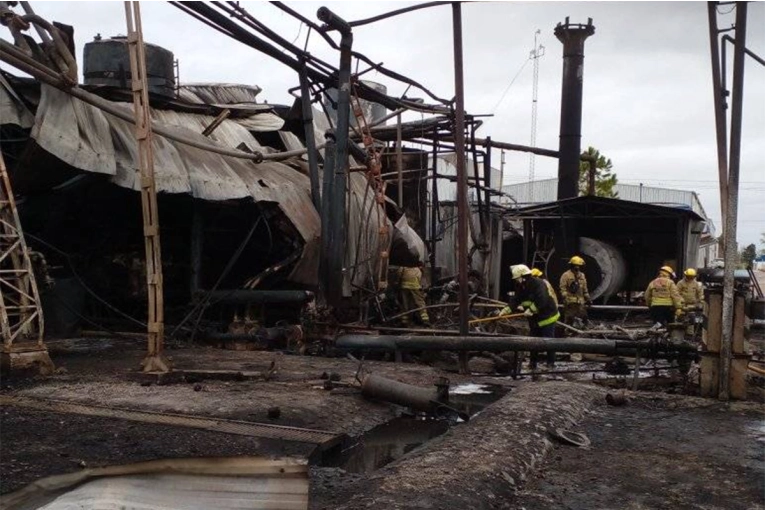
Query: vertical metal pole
(154, 360)
(434, 209)
(459, 149)
(732, 216)
(399, 162)
(719, 104)
(310, 141)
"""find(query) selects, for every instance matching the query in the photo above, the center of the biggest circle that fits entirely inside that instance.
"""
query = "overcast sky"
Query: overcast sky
(647, 78)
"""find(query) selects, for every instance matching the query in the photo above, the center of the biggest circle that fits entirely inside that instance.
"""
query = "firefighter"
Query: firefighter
(692, 293)
(538, 303)
(663, 299)
(537, 273)
(412, 297)
(691, 290)
(573, 290)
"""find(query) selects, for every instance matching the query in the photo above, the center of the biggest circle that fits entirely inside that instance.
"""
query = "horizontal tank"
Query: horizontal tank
(107, 63)
(606, 269)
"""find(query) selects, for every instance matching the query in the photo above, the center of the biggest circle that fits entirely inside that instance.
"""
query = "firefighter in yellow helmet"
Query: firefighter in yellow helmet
(691, 290)
(574, 292)
(410, 291)
(662, 297)
(538, 303)
(537, 273)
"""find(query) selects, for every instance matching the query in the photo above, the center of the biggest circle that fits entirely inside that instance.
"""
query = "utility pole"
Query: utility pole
(731, 218)
(462, 200)
(535, 55)
(154, 360)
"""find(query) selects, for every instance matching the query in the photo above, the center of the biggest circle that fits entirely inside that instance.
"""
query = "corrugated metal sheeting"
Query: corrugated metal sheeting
(91, 140)
(218, 93)
(546, 190)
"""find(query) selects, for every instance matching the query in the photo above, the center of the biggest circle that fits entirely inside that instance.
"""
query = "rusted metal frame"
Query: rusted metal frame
(721, 121)
(376, 67)
(727, 38)
(399, 163)
(21, 315)
(154, 360)
(310, 141)
(59, 51)
(731, 218)
(482, 213)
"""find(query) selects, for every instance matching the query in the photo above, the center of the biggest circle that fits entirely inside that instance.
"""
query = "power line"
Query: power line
(493, 110)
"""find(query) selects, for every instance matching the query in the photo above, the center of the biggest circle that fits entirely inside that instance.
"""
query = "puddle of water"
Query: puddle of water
(399, 436)
(388, 442)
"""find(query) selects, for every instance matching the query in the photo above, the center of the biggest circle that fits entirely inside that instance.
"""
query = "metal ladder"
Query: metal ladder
(21, 317)
(376, 182)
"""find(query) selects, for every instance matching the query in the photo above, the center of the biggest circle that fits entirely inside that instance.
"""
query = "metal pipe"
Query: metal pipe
(572, 36)
(310, 141)
(459, 145)
(434, 206)
(407, 395)
(499, 344)
(326, 266)
(399, 163)
(243, 296)
(721, 128)
(337, 201)
(732, 216)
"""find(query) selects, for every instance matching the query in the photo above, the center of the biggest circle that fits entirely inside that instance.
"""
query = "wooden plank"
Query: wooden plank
(739, 319)
(709, 379)
(712, 334)
(738, 385)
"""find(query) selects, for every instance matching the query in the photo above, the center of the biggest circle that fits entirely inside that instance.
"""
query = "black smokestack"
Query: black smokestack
(572, 36)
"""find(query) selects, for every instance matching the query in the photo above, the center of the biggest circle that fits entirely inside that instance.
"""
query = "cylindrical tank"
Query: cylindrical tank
(606, 269)
(107, 62)
(372, 111)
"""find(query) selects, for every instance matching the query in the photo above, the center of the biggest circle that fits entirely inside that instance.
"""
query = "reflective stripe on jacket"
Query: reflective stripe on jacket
(573, 288)
(692, 292)
(663, 292)
(539, 297)
(410, 278)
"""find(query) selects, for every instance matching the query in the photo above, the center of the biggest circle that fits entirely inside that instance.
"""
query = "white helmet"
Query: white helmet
(519, 271)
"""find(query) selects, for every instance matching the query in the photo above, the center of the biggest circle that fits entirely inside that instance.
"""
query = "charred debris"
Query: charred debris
(282, 226)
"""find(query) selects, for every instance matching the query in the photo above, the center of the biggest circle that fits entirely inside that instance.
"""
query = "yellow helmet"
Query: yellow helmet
(519, 271)
(536, 272)
(690, 272)
(668, 270)
(576, 260)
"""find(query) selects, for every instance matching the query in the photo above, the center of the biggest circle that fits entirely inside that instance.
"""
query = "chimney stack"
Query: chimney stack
(572, 35)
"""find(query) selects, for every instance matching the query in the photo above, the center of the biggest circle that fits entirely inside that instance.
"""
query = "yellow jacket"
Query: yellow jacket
(573, 288)
(692, 292)
(410, 278)
(663, 292)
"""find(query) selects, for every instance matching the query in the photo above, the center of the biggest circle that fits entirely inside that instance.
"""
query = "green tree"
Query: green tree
(748, 255)
(605, 179)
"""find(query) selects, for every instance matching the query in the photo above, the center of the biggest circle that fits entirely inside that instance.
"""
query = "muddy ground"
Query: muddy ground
(660, 451)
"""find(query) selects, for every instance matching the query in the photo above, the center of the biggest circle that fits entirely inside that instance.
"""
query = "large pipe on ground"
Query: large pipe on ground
(244, 296)
(572, 35)
(500, 344)
(606, 268)
(380, 388)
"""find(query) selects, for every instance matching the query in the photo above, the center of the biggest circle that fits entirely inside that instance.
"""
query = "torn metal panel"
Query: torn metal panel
(224, 483)
(223, 93)
(12, 108)
(103, 144)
